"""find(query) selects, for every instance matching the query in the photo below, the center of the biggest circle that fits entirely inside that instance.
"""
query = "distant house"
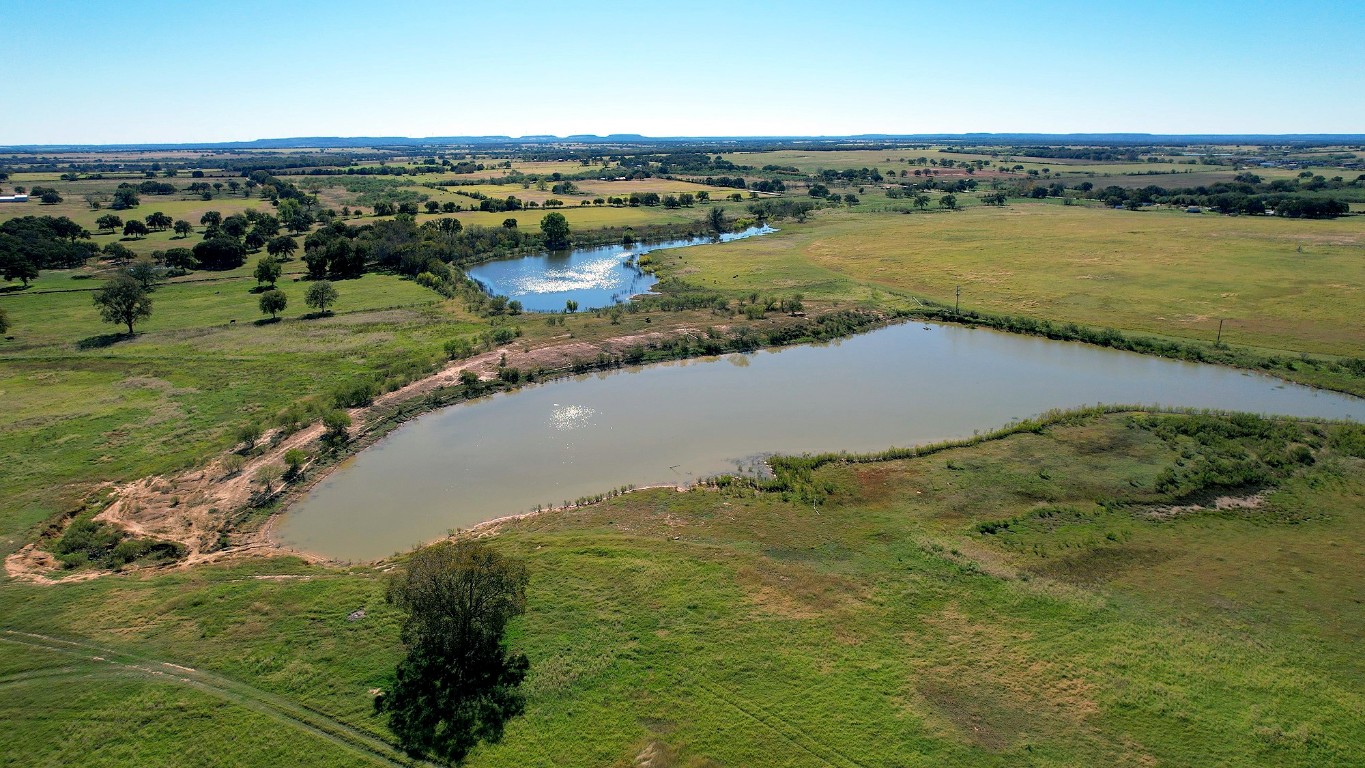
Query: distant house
(13, 198)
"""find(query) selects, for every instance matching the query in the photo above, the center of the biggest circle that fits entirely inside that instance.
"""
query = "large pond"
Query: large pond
(676, 422)
(593, 277)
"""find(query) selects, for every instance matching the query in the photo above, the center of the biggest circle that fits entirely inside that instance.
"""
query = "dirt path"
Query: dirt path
(109, 662)
(195, 508)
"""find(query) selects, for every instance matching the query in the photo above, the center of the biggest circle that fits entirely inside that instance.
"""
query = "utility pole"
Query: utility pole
(1219, 341)
(957, 307)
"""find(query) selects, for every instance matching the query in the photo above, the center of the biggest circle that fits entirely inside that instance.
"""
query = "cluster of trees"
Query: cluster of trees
(781, 208)
(32, 243)
(151, 188)
(1250, 196)
(851, 175)
(1099, 154)
(332, 252)
(733, 182)
(692, 163)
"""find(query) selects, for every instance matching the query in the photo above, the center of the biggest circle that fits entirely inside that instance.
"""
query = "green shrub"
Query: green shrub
(355, 395)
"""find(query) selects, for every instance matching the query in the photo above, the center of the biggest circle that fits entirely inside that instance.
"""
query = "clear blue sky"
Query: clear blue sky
(145, 71)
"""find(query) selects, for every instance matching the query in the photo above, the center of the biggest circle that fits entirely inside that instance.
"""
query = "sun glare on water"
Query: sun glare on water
(601, 273)
(566, 417)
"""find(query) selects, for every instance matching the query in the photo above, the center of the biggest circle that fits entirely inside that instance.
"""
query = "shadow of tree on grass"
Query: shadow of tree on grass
(101, 341)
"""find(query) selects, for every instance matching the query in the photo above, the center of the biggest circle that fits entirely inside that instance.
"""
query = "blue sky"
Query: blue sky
(143, 71)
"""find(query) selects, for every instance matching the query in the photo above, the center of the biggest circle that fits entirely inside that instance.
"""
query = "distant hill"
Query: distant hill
(352, 142)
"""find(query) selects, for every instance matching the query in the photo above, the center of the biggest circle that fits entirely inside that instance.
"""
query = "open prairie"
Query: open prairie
(1285, 285)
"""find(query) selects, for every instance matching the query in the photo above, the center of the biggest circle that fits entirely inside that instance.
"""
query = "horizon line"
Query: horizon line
(356, 142)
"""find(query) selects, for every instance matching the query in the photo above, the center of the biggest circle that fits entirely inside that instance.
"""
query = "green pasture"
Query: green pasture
(1277, 283)
(881, 627)
(84, 404)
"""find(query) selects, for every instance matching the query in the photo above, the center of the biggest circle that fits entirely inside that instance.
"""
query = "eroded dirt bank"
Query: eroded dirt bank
(197, 508)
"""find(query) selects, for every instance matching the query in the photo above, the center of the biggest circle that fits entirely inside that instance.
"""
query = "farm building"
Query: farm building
(13, 198)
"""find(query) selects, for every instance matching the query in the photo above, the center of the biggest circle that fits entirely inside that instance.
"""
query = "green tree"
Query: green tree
(220, 253)
(135, 228)
(4, 321)
(117, 252)
(459, 683)
(921, 201)
(124, 301)
(248, 435)
(235, 226)
(267, 476)
(570, 306)
(50, 197)
(124, 199)
(321, 295)
(267, 271)
(715, 219)
(555, 228)
(273, 301)
(143, 270)
(159, 221)
(108, 222)
(282, 247)
(336, 422)
(948, 201)
(183, 228)
(509, 223)
(294, 459)
(179, 258)
(211, 219)
(14, 265)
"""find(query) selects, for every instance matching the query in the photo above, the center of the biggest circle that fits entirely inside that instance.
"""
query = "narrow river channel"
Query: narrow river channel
(676, 422)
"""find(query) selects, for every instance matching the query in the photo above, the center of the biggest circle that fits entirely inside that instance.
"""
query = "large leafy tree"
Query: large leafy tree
(274, 302)
(220, 253)
(555, 228)
(135, 228)
(123, 300)
(282, 247)
(715, 219)
(159, 221)
(267, 271)
(459, 683)
(109, 222)
(320, 295)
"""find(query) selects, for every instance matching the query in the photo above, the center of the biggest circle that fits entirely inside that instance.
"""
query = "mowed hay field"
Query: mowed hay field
(883, 627)
(1159, 272)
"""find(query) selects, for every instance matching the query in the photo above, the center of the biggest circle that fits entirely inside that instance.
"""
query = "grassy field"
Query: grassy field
(1280, 284)
(85, 405)
(1032, 600)
(883, 627)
